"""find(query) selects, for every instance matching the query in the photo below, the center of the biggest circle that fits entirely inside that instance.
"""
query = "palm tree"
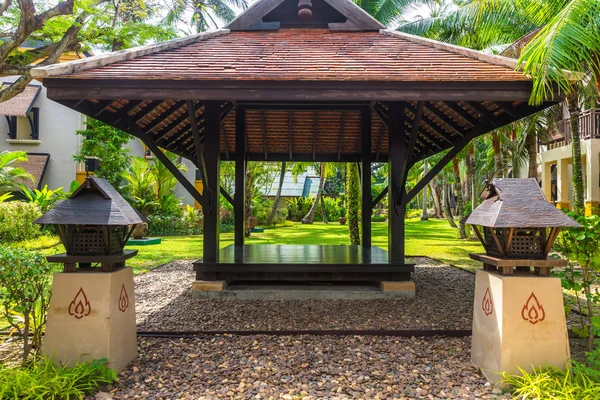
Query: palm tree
(205, 14)
(278, 195)
(353, 202)
(10, 175)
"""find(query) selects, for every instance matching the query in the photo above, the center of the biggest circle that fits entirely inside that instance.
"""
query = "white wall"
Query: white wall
(56, 137)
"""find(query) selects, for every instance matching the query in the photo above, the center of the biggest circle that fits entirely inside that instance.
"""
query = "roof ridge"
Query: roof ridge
(464, 51)
(121, 55)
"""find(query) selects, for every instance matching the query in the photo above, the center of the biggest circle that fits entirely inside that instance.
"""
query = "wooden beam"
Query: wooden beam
(447, 120)
(197, 143)
(497, 241)
(509, 239)
(485, 125)
(379, 141)
(264, 133)
(367, 200)
(380, 196)
(212, 161)
(278, 91)
(314, 147)
(396, 158)
(290, 132)
(103, 105)
(433, 126)
(147, 110)
(225, 140)
(127, 125)
(239, 198)
(462, 112)
(152, 125)
(226, 195)
(341, 138)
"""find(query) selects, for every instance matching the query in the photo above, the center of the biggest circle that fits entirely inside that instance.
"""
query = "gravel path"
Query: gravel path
(302, 367)
(444, 300)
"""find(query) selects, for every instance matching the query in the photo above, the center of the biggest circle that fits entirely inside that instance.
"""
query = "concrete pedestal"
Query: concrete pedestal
(518, 321)
(92, 316)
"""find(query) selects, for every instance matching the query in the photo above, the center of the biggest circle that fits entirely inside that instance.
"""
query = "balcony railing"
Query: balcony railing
(589, 127)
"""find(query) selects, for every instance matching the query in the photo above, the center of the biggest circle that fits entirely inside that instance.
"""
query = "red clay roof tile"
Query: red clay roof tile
(305, 54)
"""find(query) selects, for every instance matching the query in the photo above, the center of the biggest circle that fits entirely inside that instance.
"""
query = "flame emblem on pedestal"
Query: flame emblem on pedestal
(123, 299)
(487, 304)
(80, 306)
(533, 312)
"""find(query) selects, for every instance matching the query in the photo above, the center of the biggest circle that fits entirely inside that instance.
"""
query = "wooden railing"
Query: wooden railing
(589, 126)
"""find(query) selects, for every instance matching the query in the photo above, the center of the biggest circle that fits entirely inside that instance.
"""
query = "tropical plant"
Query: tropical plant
(5, 197)
(10, 174)
(352, 202)
(45, 198)
(552, 383)
(17, 221)
(106, 143)
(583, 246)
(204, 13)
(68, 26)
(25, 281)
(48, 380)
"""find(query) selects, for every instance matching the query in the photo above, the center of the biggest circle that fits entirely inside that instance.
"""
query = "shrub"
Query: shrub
(16, 221)
(333, 208)
(413, 213)
(45, 380)
(582, 245)
(552, 383)
(379, 218)
(193, 219)
(25, 290)
(45, 198)
(298, 207)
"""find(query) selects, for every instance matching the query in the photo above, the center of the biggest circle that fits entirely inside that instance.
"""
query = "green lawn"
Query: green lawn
(433, 238)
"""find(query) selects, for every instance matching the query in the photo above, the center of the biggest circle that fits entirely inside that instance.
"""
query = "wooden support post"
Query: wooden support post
(239, 209)
(367, 200)
(212, 159)
(397, 155)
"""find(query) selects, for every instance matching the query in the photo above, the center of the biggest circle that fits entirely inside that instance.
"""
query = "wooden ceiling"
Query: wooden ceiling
(304, 131)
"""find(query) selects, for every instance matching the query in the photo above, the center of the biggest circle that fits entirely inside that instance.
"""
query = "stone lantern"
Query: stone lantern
(94, 293)
(518, 316)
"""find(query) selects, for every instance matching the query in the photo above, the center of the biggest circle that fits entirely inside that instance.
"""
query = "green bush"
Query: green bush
(333, 208)
(24, 293)
(16, 221)
(553, 383)
(413, 213)
(168, 225)
(298, 207)
(379, 218)
(44, 380)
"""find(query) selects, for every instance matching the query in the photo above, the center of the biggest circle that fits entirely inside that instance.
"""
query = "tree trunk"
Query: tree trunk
(310, 217)
(436, 193)
(446, 203)
(323, 209)
(471, 172)
(352, 202)
(248, 200)
(278, 195)
(577, 179)
(498, 162)
(531, 145)
(459, 198)
(424, 216)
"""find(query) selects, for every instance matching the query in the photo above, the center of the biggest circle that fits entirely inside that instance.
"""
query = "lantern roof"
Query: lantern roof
(95, 202)
(517, 203)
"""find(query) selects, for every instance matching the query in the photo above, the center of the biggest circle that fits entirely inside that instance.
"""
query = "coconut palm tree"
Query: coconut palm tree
(205, 14)
(11, 175)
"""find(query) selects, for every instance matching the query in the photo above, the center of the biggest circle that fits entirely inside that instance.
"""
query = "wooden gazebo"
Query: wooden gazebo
(283, 83)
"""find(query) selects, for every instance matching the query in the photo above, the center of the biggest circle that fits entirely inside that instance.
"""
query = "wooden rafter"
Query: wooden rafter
(341, 136)
(448, 121)
(462, 112)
